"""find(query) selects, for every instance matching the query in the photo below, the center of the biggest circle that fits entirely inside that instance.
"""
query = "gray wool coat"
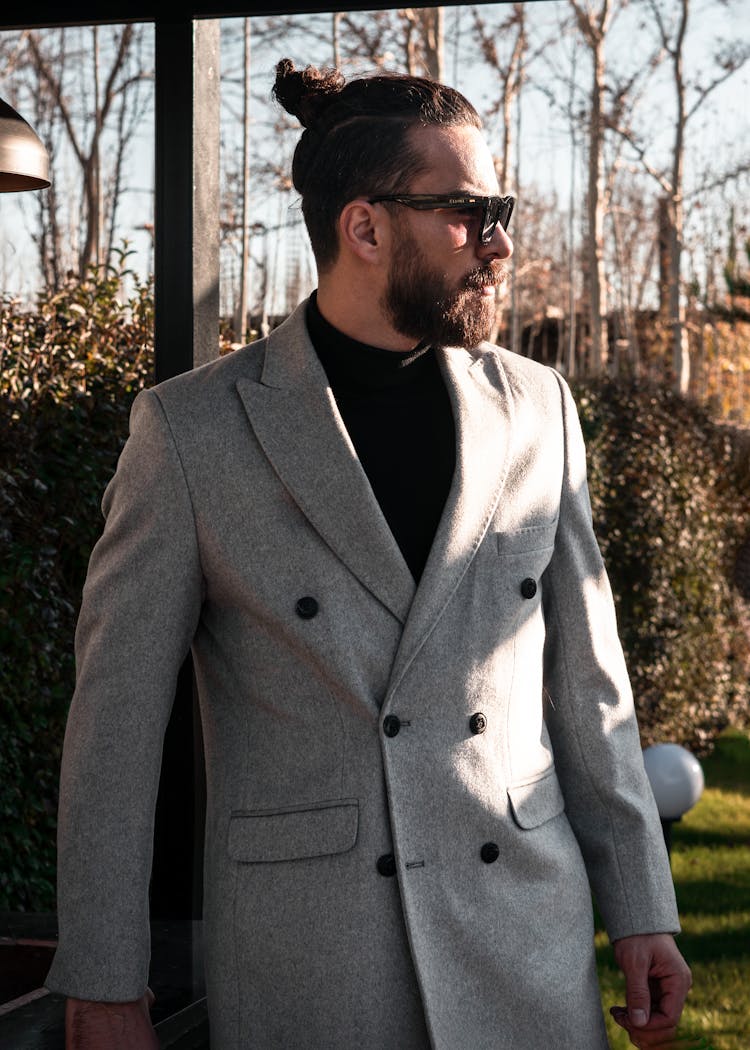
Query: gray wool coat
(339, 732)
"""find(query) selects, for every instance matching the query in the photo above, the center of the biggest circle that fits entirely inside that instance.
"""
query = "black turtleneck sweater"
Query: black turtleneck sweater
(396, 409)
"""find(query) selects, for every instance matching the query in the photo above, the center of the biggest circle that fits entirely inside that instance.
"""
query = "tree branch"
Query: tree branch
(55, 87)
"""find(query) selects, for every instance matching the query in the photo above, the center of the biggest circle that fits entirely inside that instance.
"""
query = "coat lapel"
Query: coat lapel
(295, 418)
(483, 413)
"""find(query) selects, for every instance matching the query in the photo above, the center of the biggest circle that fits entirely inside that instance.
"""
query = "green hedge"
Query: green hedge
(670, 499)
(68, 374)
(670, 494)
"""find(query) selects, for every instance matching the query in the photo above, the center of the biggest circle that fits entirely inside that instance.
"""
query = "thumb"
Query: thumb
(638, 999)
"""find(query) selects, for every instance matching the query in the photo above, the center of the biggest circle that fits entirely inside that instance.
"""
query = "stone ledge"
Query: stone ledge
(31, 1018)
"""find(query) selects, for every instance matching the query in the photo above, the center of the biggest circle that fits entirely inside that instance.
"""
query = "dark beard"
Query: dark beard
(421, 305)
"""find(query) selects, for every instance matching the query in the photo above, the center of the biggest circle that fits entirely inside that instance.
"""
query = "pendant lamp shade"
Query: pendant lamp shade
(24, 164)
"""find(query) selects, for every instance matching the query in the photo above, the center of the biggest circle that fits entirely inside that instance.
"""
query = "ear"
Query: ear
(363, 230)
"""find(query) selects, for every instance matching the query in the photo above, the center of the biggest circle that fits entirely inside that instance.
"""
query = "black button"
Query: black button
(391, 725)
(478, 723)
(528, 587)
(306, 608)
(386, 865)
(489, 852)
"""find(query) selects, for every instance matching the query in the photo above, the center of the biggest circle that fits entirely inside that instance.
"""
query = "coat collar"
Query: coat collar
(293, 413)
(295, 418)
(483, 414)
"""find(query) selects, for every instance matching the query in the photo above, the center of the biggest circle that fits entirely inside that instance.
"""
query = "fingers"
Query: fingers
(657, 980)
(665, 1038)
(661, 1038)
(657, 983)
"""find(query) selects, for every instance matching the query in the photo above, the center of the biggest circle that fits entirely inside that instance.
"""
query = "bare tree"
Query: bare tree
(509, 70)
(593, 25)
(424, 43)
(689, 97)
(110, 86)
(240, 324)
(39, 109)
(335, 24)
(408, 38)
(505, 49)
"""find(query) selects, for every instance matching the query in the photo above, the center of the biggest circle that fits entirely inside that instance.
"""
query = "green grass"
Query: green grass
(711, 868)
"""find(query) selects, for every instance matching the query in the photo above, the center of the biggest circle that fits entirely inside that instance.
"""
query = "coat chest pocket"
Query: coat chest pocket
(536, 801)
(293, 832)
(535, 541)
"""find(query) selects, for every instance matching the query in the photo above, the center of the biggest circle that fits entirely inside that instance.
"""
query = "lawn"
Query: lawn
(711, 867)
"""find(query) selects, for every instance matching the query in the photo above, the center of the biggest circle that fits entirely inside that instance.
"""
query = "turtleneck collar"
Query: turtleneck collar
(353, 364)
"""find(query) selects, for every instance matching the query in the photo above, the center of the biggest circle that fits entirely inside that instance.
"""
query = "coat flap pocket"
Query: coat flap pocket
(524, 541)
(294, 832)
(536, 801)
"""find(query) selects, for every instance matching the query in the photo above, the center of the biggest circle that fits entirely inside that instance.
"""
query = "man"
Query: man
(373, 530)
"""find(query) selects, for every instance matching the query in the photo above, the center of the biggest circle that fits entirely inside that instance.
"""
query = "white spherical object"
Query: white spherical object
(676, 778)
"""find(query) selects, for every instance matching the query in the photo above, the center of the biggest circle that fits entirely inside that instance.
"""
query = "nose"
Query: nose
(499, 246)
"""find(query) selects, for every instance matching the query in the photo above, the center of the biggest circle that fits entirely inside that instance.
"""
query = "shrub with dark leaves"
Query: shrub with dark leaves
(670, 493)
(68, 374)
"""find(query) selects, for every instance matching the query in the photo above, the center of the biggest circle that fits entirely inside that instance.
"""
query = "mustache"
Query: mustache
(491, 274)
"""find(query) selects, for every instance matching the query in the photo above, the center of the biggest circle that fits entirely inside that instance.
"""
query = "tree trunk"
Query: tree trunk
(433, 32)
(240, 320)
(663, 224)
(516, 326)
(50, 71)
(424, 41)
(335, 23)
(510, 73)
(593, 26)
(571, 341)
(680, 349)
(595, 205)
(92, 190)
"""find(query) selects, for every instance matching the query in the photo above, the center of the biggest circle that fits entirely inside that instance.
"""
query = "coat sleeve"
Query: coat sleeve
(592, 722)
(140, 607)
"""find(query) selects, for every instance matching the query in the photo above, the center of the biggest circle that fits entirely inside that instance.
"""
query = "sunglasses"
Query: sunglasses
(494, 209)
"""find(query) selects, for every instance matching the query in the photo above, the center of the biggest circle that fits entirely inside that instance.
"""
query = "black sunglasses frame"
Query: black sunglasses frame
(494, 209)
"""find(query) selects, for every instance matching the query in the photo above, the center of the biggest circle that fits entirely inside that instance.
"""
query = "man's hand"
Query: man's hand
(657, 980)
(110, 1026)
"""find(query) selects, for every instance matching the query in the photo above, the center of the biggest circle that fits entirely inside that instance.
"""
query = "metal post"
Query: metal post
(666, 827)
(187, 195)
(186, 334)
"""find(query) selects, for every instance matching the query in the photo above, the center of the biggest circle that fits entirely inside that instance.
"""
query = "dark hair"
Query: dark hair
(356, 138)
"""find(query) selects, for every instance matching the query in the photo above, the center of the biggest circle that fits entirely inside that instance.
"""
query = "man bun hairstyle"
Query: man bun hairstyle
(356, 140)
(308, 92)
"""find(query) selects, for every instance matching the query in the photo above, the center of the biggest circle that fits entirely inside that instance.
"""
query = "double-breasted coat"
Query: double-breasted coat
(412, 790)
